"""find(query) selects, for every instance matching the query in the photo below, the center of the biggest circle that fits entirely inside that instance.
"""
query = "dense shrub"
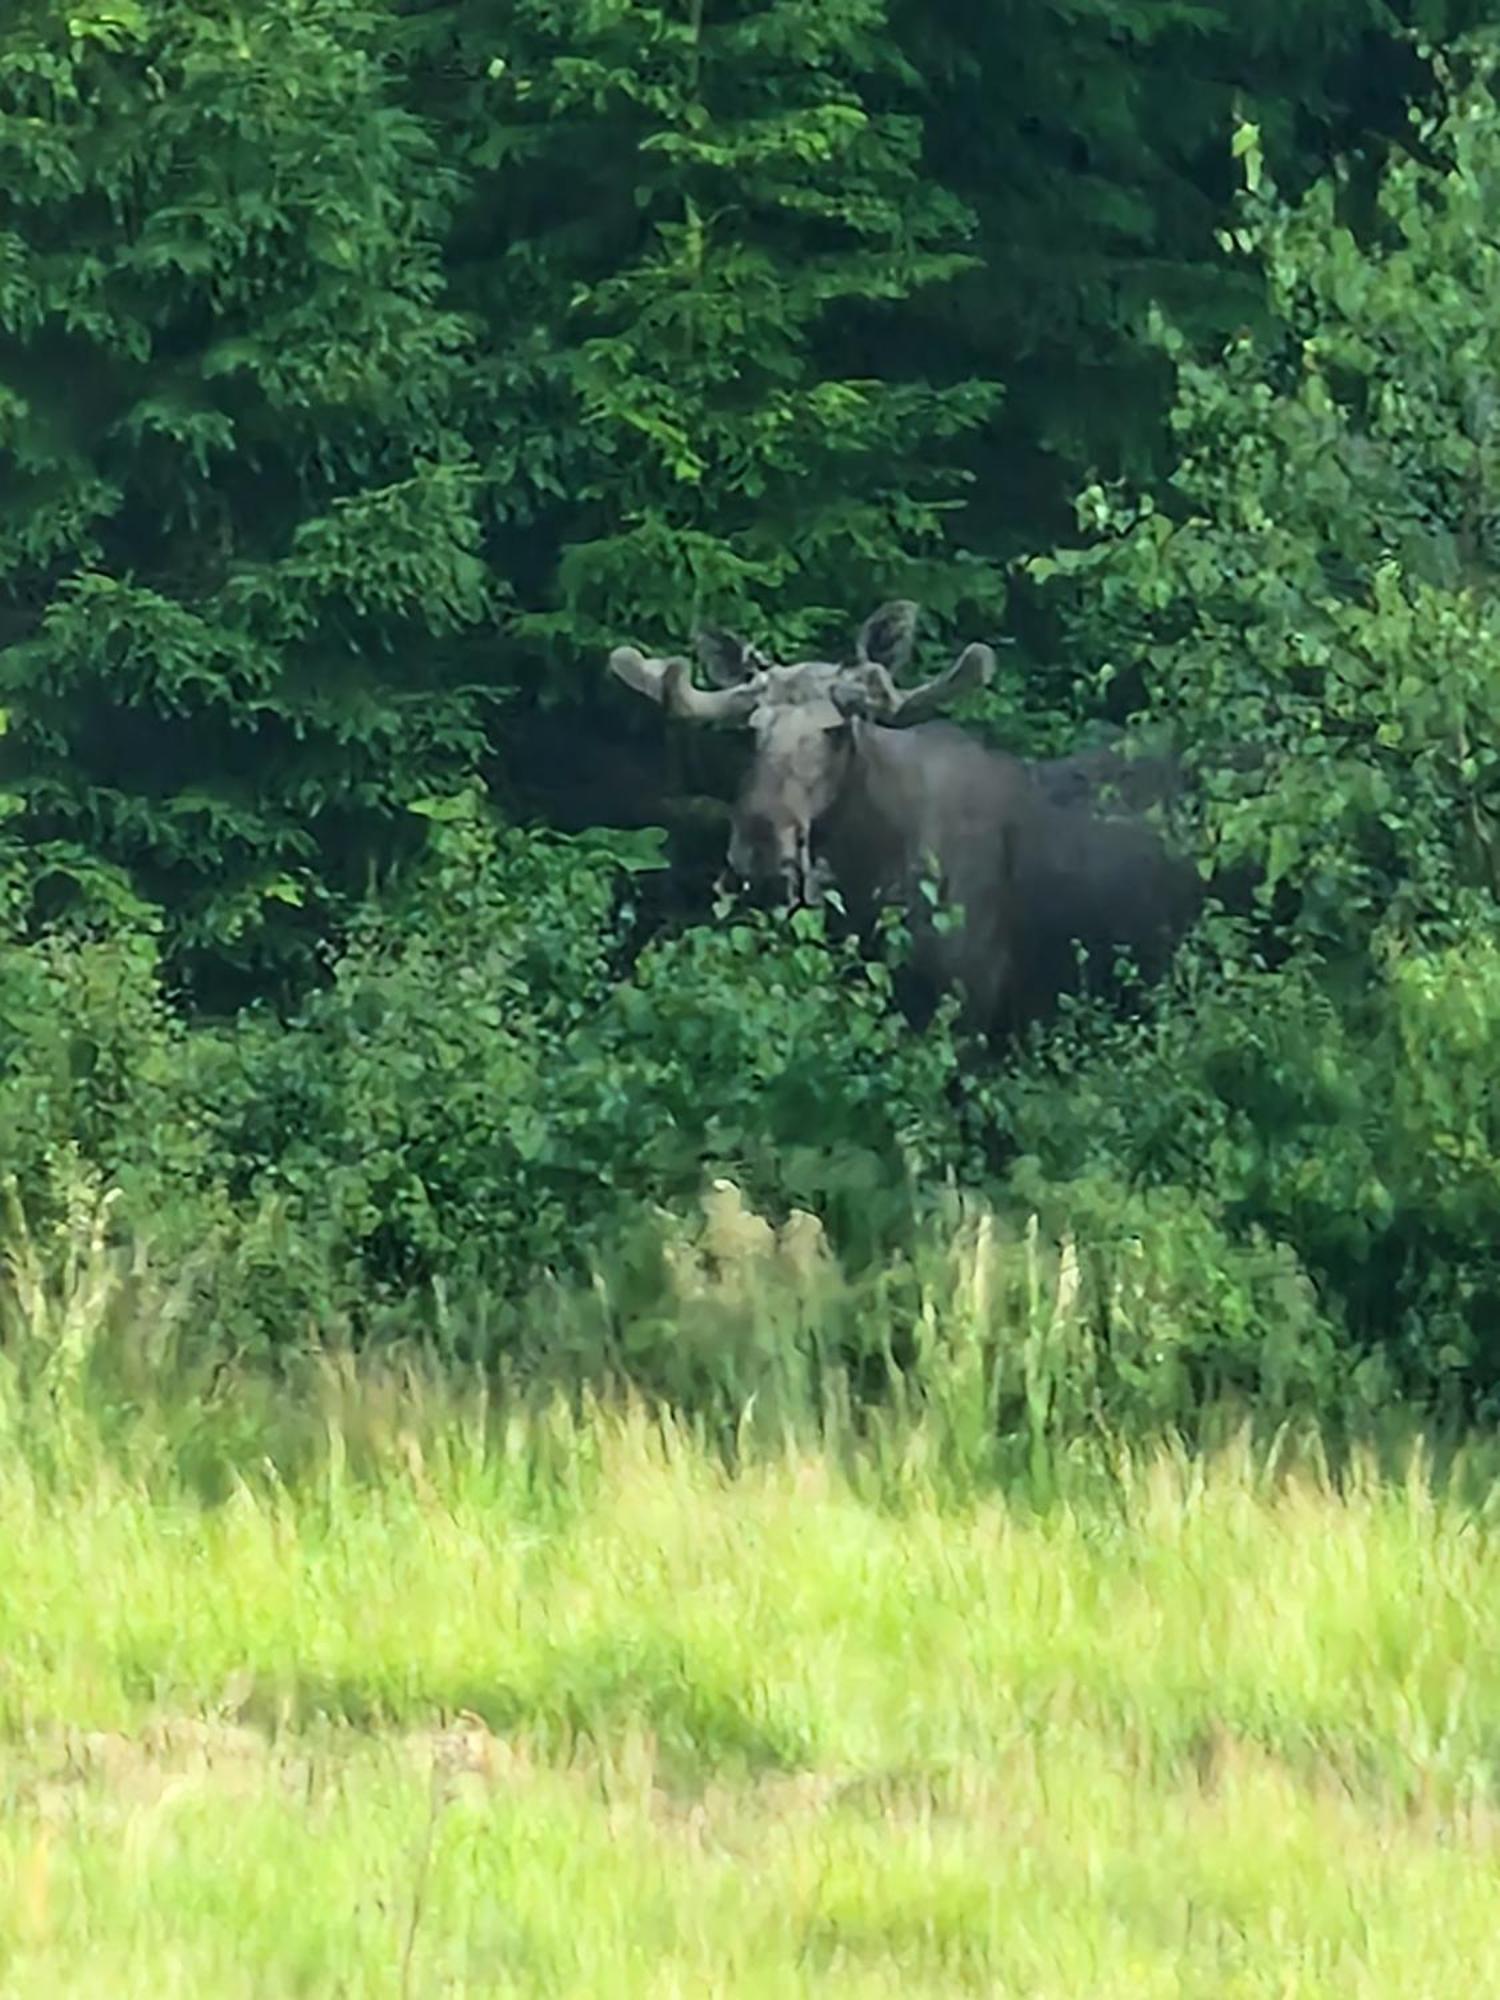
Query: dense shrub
(476, 1097)
(91, 1071)
(496, 1102)
(475, 1094)
(1313, 606)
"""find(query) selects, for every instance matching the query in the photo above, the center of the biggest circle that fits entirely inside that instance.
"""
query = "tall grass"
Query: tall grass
(370, 1680)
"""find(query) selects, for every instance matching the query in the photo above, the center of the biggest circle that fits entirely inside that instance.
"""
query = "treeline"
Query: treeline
(366, 371)
(369, 369)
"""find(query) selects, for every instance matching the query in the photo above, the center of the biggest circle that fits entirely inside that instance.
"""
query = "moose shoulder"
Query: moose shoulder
(1052, 869)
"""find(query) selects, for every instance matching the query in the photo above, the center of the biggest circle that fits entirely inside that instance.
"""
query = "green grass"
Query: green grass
(563, 1707)
(365, 1683)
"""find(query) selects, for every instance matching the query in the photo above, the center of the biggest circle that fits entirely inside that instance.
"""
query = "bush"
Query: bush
(475, 1097)
(478, 1131)
(91, 1069)
(1358, 1132)
(1311, 606)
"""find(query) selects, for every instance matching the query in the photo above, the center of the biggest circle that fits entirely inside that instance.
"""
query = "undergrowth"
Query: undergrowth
(374, 1676)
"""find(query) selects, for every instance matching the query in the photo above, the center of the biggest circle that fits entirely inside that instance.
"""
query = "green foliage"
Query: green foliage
(1090, 142)
(684, 208)
(1317, 587)
(480, 1132)
(1359, 1135)
(90, 1073)
(329, 331)
(476, 1097)
(1177, 1311)
(1312, 606)
(239, 520)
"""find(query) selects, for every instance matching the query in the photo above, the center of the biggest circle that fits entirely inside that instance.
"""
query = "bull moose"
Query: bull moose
(1048, 868)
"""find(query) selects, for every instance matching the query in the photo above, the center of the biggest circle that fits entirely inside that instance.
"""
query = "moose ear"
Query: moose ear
(887, 635)
(726, 659)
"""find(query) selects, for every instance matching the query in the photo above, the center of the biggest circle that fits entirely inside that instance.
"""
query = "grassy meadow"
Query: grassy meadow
(371, 1682)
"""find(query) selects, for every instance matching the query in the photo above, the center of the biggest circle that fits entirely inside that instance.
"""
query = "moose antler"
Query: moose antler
(670, 682)
(887, 636)
(869, 690)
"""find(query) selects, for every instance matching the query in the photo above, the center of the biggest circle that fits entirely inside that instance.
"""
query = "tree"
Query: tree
(755, 273)
(1090, 143)
(239, 523)
(1318, 580)
(335, 335)
(1314, 606)
(677, 207)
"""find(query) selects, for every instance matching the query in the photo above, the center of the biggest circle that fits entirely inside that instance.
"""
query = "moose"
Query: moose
(1049, 871)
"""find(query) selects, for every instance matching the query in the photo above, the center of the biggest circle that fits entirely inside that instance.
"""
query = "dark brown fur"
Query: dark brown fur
(1043, 864)
(1040, 859)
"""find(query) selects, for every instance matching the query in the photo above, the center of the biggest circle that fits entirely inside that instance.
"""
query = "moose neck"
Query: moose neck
(867, 834)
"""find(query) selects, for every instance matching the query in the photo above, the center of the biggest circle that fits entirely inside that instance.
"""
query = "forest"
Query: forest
(566, 1428)
(369, 369)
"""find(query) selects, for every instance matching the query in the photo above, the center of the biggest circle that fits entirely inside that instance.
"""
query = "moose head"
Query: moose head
(807, 721)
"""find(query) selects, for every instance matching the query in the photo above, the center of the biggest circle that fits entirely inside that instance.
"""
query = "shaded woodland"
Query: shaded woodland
(368, 371)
